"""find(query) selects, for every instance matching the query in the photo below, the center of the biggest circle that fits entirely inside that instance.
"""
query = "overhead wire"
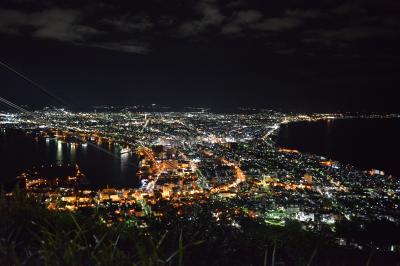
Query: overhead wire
(50, 94)
(14, 106)
(37, 85)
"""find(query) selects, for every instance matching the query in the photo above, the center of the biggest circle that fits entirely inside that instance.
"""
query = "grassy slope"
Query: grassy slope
(32, 235)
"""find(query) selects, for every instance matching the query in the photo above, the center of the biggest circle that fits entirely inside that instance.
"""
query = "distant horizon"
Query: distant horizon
(165, 108)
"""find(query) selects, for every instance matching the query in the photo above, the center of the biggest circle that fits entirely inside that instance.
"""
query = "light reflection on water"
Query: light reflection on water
(19, 152)
(125, 161)
(72, 152)
(59, 151)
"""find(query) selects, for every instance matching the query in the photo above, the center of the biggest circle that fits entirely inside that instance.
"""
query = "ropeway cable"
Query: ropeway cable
(37, 85)
(14, 106)
(18, 108)
(50, 94)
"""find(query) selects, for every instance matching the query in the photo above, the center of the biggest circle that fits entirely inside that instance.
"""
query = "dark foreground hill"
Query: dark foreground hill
(32, 235)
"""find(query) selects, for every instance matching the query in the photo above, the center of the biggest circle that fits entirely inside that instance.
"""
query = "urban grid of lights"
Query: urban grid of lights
(195, 157)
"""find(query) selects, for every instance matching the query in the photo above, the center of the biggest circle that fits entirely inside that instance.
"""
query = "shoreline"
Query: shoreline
(276, 138)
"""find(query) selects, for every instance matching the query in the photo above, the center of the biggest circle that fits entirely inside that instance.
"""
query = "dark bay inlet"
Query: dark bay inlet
(20, 152)
(364, 143)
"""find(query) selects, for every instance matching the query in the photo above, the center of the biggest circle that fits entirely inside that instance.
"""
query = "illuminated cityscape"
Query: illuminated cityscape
(199, 132)
(195, 157)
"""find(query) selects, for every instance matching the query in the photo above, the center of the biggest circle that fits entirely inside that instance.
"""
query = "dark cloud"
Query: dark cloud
(123, 47)
(210, 15)
(306, 13)
(67, 25)
(63, 25)
(135, 27)
(130, 24)
(352, 33)
(235, 4)
(350, 8)
(278, 24)
(247, 16)
(240, 20)
(11, 21)
(58, 24)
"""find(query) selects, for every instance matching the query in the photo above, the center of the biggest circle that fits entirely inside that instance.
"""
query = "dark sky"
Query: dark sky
(304, 55)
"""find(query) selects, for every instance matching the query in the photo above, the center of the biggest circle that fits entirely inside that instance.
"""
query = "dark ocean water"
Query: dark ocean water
(19, 152)
(364, 143)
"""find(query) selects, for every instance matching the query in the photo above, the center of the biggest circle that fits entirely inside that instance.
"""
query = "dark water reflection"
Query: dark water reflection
(19, 151)
(365, 143)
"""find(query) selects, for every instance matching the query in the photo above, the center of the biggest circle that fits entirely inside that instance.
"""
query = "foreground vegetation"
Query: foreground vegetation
(32, 235)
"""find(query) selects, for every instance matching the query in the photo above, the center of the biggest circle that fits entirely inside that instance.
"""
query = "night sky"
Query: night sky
(298, 55)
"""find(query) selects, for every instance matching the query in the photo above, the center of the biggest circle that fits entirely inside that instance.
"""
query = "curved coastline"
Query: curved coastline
(331, 142)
